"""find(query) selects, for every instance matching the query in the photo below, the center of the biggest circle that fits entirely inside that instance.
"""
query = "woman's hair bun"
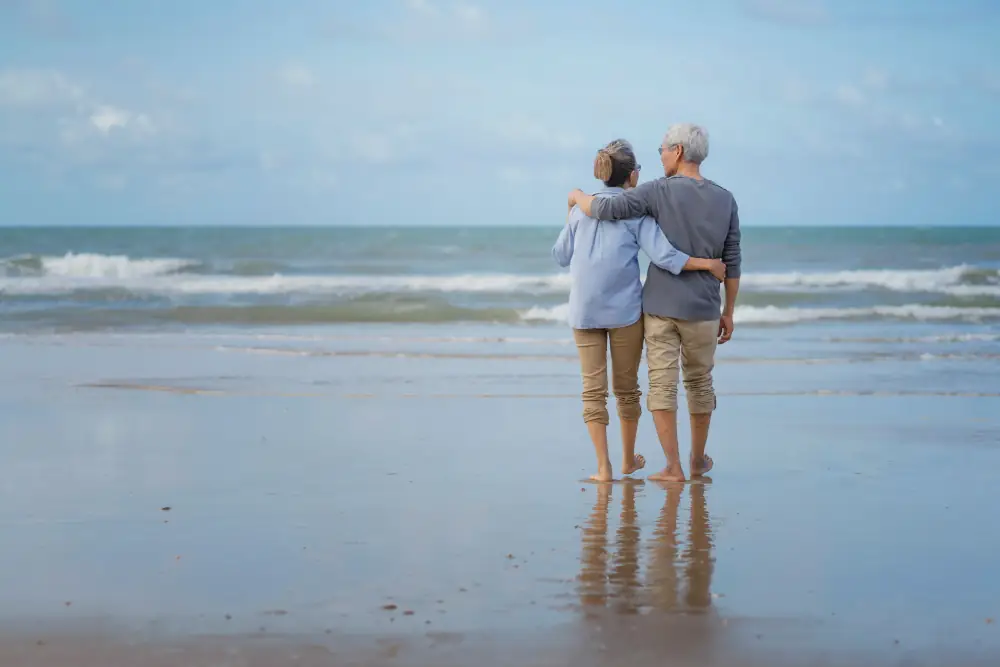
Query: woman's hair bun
(615, 163)
(603, 165)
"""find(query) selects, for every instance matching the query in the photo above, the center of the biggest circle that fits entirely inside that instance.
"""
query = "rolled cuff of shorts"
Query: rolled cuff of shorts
(700, 393)
(629, 410)
(702, 405)
(661, 401)
(596, 413)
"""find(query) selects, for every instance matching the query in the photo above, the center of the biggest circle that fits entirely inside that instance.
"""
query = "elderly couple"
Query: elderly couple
(690, 229)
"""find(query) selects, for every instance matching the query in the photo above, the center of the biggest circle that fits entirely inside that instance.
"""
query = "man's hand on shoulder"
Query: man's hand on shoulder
(572, 199)
(570, 217)
(580, 198)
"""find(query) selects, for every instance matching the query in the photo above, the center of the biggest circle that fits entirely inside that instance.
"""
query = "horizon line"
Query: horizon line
(273, 225)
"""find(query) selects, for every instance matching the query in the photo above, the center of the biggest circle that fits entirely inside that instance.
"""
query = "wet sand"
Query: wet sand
(172, 500)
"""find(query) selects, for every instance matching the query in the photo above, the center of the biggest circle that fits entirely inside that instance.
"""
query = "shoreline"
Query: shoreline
(850, 509)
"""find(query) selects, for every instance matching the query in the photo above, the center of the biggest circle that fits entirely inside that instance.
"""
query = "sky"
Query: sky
(487, 112)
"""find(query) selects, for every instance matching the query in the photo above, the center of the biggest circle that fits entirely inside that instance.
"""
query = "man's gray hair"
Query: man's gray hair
(692, 138)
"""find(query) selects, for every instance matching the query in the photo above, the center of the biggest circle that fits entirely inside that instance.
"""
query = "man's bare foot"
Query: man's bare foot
(669, 474)
(699, 468)
(603, 475)
(637, 463)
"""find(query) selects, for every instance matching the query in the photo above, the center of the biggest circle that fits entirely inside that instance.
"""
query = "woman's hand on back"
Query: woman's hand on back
(714, 266)
(718, 269)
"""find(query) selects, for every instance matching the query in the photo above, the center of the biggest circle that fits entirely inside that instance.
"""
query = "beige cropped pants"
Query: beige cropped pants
(691, 344)
(626, 353)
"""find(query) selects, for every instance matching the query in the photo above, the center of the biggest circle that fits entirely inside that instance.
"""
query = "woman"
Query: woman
(605, 302)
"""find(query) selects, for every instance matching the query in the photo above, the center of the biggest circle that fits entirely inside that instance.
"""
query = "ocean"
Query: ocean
(88, 278)
(333, 437)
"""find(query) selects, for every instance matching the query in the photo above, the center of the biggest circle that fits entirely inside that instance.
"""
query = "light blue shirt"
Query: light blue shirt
(603, 261)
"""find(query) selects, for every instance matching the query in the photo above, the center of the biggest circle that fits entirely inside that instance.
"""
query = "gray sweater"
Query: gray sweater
(700, 219)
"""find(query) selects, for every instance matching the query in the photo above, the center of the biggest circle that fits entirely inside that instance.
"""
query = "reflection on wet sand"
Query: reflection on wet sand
(678, 574)
(593, 573)
(698, 558)
(624, 576)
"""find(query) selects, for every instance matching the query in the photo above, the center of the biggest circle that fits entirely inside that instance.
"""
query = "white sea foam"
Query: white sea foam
(558, 313)
(85, 271)
(778, 315)
(118, 267)
(943, 338)
(960, 338)
(148, 277)
(946, 281)
(92, 271)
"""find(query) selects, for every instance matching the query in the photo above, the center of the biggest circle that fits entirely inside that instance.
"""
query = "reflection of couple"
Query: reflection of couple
(689, 228)
(613, 580)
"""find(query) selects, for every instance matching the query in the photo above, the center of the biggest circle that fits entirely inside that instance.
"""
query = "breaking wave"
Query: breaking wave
(955, 281)
(778, 315)
(33, 274)
(90, 266)
(117, 289)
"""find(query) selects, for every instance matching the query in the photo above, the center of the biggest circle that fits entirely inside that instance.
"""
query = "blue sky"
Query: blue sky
(489, 111)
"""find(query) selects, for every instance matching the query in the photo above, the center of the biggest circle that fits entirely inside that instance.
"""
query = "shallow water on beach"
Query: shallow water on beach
(323, 483)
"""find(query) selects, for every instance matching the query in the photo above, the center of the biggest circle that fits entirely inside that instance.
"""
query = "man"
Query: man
(682, 313)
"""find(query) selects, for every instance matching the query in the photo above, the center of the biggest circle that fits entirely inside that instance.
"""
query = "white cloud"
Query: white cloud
(319, 180)
(791, 12)
(850, 95)
(374, 148)
(112, 181)
(431, 19)
(549, 177)
(106, 118)
(41, 16)
(875, 78)
(796, 91)
(914, 123)
(380, 147)
(909, 122)
(267, 161)
(470, 15)
(533, 134)
(37, 88)
(990, 81)
(75, 110)
(422, 7)
(512, 175)
(298, 76)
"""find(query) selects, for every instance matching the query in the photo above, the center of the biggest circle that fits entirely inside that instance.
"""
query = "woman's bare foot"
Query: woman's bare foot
(672, 473)
(603, 475)
(637, 463)
(699, 468)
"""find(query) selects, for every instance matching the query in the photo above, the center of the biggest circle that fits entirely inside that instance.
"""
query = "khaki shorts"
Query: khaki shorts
(626, 353)
(674, 344)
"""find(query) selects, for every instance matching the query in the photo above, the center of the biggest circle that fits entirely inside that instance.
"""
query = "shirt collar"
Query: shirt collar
(607, 190)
